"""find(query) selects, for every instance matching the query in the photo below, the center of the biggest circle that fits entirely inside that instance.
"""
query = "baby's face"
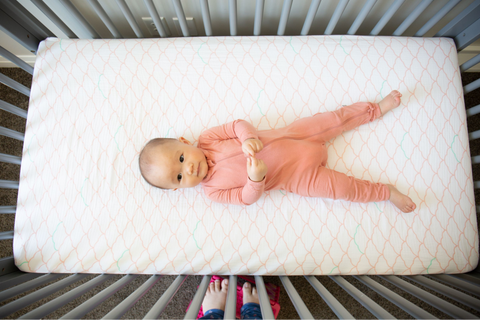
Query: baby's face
(178, 165)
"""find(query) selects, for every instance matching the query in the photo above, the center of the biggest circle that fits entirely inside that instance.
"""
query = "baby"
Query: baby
(235, 163)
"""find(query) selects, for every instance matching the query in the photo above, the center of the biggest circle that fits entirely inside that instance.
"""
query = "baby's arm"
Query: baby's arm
(246, 195)
(240, 129)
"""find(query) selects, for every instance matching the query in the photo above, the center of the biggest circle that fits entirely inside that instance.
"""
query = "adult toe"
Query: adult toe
(225, 285)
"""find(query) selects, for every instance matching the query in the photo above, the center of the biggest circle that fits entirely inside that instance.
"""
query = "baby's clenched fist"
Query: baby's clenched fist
(256, 169)
(252, 146)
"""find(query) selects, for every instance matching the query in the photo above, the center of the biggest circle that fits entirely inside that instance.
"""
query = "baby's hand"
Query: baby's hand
(256, 169)
(252, 146)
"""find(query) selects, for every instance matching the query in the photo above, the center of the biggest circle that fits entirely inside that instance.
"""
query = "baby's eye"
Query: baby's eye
(181, 158)
(179, 177)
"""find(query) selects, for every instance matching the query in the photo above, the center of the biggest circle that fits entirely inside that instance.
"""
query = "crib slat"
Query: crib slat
(13, 58)
(198, 298)
(6, 235)
(59, 302)
(54, 18)
(10, 159)
(330, 300)
(475, 159)
(207, 22)
(412, 17)
(473, 110)
(336, 16)
(312, 11)
(16, 278)
(126, 304)
(18, 32)
(439, 15)
(166, 297)
(80, 19)
(361, 16)
(386, 17)
(8, 209)
(468, 36)
(473, 85)
(27, 300)
(129, 16)
(8, 184)
(181, 17)
(282, 24)
(14, 84)
(404, 304)
(27, 20)
(474, 135)
(465, 18)
(156, 19)
(105, 19)
(365, 301)
(232, 10)
(447, 291)
(13, 109)
(231, 305)
(99, 298)
(258, 17)
(469, 278)
(429, 298)
(7, 265)
(11, 133)
(263, 298)
(476, 184)
(470, 63)
(464, 285)
(32, 284)
(297, 301)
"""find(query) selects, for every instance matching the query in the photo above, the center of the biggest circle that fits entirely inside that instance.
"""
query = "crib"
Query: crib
(431, 290)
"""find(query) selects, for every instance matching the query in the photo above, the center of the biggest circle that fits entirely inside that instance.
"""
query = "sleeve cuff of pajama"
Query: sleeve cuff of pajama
(253, 191)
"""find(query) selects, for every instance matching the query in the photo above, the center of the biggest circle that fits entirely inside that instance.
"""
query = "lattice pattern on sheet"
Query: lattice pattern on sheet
(83, 207)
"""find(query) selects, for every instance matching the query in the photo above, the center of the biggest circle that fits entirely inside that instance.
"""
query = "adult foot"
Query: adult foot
(216, 296)
(401, 201)
(249, 293)
(390, 102)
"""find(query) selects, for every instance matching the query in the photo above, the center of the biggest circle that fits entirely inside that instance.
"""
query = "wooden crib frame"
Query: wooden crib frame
(20, 25)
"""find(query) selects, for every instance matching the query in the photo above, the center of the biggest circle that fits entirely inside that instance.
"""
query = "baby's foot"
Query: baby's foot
(390, 102)
(216, 296)
(401, 201)
(249, 293)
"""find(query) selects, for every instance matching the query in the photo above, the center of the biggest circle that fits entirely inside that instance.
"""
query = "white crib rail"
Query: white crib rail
(28, 31)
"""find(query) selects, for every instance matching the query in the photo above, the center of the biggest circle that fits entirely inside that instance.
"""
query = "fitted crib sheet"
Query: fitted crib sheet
(83, 206)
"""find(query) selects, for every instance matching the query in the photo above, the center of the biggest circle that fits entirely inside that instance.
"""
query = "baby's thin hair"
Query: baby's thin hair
(144, 159)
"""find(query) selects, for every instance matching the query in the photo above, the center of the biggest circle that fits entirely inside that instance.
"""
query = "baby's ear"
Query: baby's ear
(183, 140)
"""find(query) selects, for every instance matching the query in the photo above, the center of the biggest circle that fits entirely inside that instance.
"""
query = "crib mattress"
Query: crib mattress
(83, 206)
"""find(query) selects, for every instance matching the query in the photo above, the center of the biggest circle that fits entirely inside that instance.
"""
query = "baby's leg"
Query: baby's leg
(350, 117)
(326, 183)
(323, 127)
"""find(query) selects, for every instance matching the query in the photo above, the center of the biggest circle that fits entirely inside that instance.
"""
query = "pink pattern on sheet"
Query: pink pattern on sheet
(83, 207)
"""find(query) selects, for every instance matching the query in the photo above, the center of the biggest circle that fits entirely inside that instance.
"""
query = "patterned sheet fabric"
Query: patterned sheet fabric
(82, 206)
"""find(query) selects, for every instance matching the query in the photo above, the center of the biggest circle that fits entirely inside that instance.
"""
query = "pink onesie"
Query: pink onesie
(295, 157)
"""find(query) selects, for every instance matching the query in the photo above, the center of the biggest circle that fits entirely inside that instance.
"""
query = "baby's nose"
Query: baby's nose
(190, 169)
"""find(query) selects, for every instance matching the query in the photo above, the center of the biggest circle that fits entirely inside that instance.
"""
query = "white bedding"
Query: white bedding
(83, 207)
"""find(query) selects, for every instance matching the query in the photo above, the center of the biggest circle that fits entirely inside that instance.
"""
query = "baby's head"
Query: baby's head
(171, 164)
